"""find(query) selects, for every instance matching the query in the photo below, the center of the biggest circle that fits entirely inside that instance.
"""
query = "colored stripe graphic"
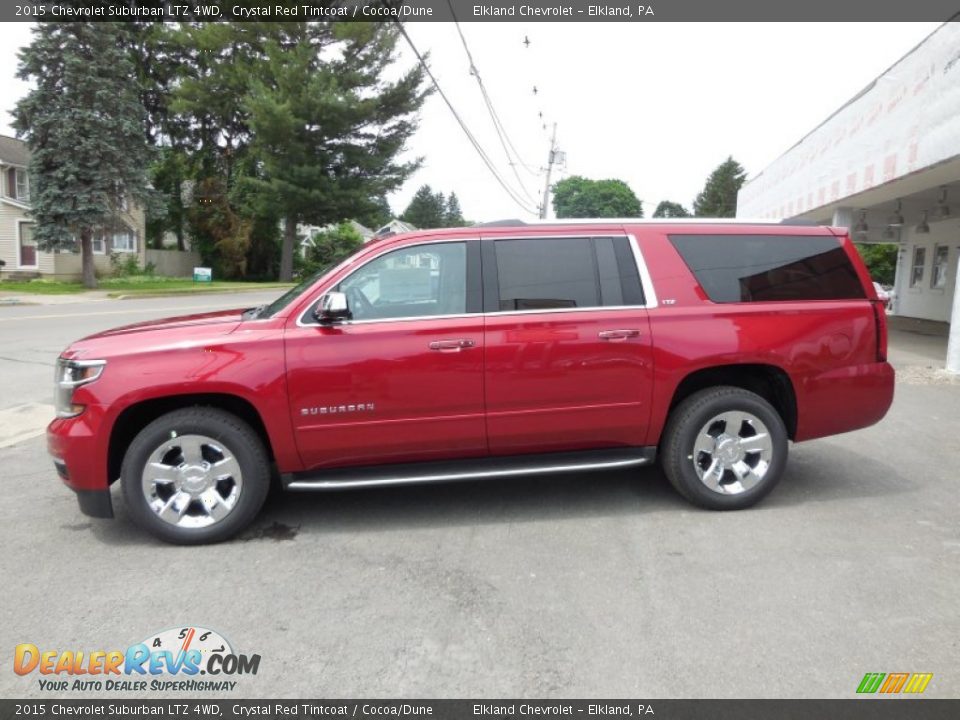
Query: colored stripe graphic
(870, 682)
(918, 682)
(894, 682)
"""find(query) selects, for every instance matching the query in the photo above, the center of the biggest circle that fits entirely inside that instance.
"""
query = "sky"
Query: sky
(656, 105)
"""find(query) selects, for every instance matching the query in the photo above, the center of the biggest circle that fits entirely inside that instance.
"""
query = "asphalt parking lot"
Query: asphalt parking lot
(595, 585)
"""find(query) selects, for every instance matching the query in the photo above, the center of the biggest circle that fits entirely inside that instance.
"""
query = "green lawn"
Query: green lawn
(40, 288)
(136, 285)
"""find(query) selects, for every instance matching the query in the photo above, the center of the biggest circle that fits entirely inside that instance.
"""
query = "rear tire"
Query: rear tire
(194, 476)
(724, 448)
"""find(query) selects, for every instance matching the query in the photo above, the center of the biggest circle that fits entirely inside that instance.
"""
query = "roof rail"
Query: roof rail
(645, 221)
(802, 222)
(511, 222)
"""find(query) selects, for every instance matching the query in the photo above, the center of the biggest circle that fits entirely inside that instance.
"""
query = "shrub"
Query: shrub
(124, 264)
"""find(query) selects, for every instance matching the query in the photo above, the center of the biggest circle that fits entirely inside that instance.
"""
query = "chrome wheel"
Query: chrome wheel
(191, 481)
(732, 452)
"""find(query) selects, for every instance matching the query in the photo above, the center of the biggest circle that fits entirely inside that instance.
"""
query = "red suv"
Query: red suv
(492, 351)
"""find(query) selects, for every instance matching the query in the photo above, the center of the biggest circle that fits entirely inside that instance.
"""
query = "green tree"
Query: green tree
(206, 114)
(263, 250)
(194, 78)
(332, 246)
(378, 215)
(719, 195)
(880, 259)
(84, 123)
(454, 216)
(427, 209)
(580, 197)
(219, 231)
(668, 209)
(166, 177)
(159, 61)
(327, 128)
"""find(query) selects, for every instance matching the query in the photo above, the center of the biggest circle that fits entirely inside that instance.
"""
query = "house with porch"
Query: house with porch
(18, 250)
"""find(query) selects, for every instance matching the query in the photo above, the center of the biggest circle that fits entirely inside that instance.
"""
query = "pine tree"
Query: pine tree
(719, 196)
(427, 209)
(454, 216)
(378, 215)
(84, 124)
(327, 128)
(207, 115)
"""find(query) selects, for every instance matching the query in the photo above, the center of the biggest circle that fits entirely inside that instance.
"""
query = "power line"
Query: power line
(493, 113)
(498, 126)
(473, 141)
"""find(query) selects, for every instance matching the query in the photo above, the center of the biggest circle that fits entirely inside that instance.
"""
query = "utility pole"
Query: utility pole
(550, 159)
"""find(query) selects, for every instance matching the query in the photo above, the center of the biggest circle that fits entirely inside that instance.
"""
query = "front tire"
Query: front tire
(194, 476)
(724, 448)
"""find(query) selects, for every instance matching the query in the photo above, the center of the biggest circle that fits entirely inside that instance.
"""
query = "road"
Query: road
(32, 336)
(595, 585)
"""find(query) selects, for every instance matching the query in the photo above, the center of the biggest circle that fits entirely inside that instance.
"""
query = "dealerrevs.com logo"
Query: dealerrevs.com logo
(170, 660)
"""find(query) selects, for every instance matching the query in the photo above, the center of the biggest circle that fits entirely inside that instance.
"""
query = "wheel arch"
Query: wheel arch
(770, 382)
(140, 414)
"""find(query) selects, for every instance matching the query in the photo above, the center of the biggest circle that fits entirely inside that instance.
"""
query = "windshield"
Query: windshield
(293, 293)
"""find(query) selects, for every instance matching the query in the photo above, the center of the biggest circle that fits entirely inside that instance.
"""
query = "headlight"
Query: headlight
(71, 374)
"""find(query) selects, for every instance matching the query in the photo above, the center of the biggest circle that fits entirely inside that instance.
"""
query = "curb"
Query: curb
(126, 295)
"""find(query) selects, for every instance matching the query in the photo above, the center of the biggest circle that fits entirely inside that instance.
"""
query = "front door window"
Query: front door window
(412, 282)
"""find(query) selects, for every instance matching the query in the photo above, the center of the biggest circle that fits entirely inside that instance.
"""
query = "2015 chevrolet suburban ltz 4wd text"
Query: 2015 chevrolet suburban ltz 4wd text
(492, 351)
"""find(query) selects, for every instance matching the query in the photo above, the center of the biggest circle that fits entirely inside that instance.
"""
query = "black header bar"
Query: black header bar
(188, 708)
(483, 11)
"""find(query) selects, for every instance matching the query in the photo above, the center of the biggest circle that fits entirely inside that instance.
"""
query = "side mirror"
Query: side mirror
(333, 308)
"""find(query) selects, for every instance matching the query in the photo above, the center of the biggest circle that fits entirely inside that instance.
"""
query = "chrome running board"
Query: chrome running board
(470, 469)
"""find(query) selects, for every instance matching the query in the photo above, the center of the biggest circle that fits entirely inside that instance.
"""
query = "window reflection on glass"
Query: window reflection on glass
(941, 255)
(121, 239)
(763, 268)
(916, 270)
(22, 185)
(410, 282)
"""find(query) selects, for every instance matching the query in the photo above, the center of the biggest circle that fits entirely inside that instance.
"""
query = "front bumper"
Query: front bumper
(79, 456)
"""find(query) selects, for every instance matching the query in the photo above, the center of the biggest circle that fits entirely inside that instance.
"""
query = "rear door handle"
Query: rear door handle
(618, 334)
(452, 345)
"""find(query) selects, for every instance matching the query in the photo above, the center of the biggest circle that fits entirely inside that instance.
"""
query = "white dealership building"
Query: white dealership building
(887, 166)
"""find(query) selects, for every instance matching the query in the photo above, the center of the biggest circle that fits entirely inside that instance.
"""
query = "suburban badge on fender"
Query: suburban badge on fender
(337, 409)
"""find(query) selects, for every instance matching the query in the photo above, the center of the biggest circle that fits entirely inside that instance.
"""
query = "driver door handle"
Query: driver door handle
(618, 334)
(452, 345)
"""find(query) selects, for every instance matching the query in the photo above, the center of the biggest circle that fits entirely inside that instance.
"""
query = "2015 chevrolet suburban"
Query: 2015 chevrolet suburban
(484, 352)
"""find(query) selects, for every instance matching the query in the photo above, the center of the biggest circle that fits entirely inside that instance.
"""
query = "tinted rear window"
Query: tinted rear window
(757, 268)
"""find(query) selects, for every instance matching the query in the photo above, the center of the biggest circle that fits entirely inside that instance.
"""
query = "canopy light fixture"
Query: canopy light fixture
(896, 219)
(862, 227)
(924, 227)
